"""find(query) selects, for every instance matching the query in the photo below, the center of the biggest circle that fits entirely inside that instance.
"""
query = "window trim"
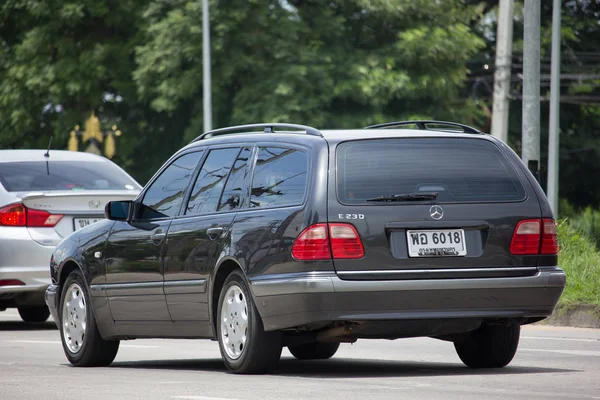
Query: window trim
(290, 146)
(247, 182)
(507, 160)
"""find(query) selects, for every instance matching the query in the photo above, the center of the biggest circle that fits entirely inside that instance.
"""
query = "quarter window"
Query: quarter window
(164, 196)
(210, 182)
(279, 177)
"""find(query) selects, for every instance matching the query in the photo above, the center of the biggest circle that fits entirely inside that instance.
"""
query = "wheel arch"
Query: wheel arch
(68, 266)
(225, 267)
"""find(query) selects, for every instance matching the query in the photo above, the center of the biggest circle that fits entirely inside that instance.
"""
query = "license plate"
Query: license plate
(83, 222)
(436, 243)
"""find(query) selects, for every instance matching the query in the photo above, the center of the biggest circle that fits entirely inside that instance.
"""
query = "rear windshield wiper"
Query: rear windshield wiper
(407, 197)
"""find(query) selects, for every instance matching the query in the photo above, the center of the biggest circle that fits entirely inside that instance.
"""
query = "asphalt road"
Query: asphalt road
(552, 363)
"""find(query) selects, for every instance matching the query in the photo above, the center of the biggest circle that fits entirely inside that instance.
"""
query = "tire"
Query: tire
(81, 341)
(314, 351)
(34, 314)
(491, 346)
(245, 346)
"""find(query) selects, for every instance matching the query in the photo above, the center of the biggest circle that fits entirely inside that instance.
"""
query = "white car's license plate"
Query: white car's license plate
(436, 243)
(83, 222)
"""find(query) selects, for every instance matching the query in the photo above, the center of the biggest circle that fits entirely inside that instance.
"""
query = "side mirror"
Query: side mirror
(118, 210)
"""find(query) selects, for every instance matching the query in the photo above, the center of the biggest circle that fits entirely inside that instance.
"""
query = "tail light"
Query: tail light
(549, 237)
(13, 215)
(11, 282)
(19, 215)
(345, 242)
(534, 236)
(324, 241)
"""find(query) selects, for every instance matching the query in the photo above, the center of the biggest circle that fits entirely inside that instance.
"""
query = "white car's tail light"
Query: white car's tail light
(19, 215)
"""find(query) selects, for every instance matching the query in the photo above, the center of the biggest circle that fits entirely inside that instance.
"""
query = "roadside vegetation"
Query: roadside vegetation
(580, 259)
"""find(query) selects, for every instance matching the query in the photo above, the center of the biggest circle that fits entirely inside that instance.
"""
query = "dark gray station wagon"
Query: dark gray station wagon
(272, 235)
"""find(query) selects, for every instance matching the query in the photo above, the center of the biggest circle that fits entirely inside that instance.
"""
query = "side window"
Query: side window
(209, 184)
(164, 196)
(233, 194)
(279, 177)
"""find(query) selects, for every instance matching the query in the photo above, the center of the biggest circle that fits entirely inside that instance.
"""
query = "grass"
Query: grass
(580, 259)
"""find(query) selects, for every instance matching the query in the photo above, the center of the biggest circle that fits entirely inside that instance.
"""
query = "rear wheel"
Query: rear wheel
(245, 346)
(82, 343)
(34, 314)
(314, 351)
(491, 346)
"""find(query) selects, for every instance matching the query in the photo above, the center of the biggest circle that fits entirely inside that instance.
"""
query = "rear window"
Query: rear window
(63, 175)
(458, 169)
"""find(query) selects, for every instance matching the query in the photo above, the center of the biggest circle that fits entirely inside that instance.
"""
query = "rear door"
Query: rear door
(465, 231)
(199, 235)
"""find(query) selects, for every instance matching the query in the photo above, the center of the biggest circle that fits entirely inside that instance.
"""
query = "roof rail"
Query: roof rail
(422, 125)
(266, 128)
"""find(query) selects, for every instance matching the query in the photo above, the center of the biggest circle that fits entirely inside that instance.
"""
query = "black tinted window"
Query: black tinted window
(233, 194)
(64, 175)
(460, 170)
(209, 184)
(164, 196)
(279, 177)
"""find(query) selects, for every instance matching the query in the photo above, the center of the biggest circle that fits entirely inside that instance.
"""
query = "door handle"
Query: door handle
(214, 233)
(158, 236)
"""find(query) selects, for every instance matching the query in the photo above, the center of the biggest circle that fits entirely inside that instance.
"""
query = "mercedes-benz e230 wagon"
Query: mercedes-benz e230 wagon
(271, 235)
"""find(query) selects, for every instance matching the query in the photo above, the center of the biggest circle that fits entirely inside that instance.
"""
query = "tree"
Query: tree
(580, 91)
(334, 64)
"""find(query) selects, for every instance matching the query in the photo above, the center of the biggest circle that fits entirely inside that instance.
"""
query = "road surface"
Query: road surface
(551, 363)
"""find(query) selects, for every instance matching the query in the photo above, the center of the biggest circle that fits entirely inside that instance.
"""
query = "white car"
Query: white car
(44, 197)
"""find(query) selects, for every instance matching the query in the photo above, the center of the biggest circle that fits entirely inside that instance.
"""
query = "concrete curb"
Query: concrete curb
(580, 316)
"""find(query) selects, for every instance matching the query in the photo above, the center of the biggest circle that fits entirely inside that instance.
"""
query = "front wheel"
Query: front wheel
(245, 346)
(34, 314)
(491, 346)
(314, 351)
(82, 343)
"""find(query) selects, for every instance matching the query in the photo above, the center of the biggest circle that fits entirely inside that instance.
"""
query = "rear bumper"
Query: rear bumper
(51, 297)
(25, 260)
(290, 300)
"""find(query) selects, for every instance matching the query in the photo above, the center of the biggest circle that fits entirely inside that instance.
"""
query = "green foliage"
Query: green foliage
(580, 259)
(587, 222)
(335, 64)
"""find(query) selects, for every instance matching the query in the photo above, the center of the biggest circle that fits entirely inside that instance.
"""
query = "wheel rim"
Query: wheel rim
(234, 322)
(74, 318)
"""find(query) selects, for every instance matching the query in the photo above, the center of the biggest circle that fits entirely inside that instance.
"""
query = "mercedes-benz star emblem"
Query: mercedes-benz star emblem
(436, 212)
(94, 203)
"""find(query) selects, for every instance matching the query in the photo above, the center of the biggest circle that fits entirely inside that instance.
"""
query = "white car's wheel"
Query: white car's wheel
(80, 338)
(314, 351)
(245, 346)
(34, 314)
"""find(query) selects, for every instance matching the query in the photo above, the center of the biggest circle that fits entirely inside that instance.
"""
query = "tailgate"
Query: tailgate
(465, 232)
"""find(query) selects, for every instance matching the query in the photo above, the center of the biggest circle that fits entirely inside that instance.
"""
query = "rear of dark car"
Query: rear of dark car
(430, 234)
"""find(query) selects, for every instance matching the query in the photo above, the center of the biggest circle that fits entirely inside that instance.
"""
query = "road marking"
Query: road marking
(35, 341)
(568, 352)
(201, 398)
(559, 338)
(141, 346)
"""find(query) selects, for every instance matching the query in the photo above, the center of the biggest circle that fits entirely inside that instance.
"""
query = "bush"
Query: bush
(580, 259)
(588, 223)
